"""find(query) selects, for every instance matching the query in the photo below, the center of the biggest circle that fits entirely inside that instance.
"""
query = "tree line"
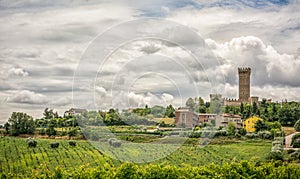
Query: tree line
(21, 123)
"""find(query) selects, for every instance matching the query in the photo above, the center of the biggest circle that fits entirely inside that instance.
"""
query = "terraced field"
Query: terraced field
(16, 157)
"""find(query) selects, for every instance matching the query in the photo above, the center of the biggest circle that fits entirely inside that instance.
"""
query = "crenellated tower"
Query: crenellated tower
(244, 84)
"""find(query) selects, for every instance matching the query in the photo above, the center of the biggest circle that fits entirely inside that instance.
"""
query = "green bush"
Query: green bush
(297, 126)
(295, 155)
(252, 135)
(31, 142)
(72, 143)
(114, 142)
(296, 141)
(243, 169)
(265, 135)
(54, 145)
(275, 155)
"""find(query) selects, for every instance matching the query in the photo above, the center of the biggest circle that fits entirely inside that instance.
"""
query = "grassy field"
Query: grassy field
(16, 157)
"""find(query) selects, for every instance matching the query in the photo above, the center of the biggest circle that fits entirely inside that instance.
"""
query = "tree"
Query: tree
(21, 123)
(158, 111)
(72, 133)
(242, 110)
(191, 104)
(231, 129)
(200, 101)
(227, 109)
(297, 126)
(260, 126)
(49, 114)
(6, 128)
(254, 108)
(50, 131)
(289, 114)
(247, 111)
(215, 105)
(170, 111)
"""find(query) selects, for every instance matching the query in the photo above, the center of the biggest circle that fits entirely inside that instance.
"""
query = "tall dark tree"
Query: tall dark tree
(21, 123)
(6, 128)
(50, 114)
(242, 110)
(254, 108)
(170, 111)
(260, 126)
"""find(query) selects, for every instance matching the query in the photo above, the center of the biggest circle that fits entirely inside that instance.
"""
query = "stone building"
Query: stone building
(206, 118)
(224, 119)
(244, 84)
(185, 118)
(244, 89)
(74, 111)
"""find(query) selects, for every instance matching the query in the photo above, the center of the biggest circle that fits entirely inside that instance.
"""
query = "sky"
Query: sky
(100, 54)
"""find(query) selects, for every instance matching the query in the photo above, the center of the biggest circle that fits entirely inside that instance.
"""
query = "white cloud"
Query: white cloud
(100, 91)
(43, 41)
(168, 98)
(269, 67)
(28, 97)
(140, 100)
(61, 101)
(17, 72)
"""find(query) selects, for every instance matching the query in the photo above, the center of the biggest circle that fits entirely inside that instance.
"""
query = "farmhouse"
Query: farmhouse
(224, 119)
(185, 118)
(74, 111)
(249, 123)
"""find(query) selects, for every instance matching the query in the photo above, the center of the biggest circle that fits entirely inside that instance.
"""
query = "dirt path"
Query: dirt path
(288, 140)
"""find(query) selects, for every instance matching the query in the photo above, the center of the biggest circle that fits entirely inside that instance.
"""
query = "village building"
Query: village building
(185, 118)
(244, 90)
(74, 111)
(249, 123)
(224, 120)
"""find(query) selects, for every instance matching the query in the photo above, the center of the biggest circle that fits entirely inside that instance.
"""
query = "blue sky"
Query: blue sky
(43, 41)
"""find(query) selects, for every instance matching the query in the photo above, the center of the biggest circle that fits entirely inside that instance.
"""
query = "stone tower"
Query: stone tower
(244, 84)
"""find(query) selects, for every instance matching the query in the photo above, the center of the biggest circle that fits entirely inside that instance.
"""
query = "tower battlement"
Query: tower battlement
(244, 70)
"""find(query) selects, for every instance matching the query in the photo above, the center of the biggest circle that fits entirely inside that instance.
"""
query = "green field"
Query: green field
(17, 158)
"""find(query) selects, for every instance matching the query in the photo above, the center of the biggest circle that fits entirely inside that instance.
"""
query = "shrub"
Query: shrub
(94, 136)
(72, 143)
(54, 145)
(265, 135)
(31, 142)
(295, 155)
(251, 135)
(296, 141)
(237, 135)
(114, 142)
(276, 142)
(196, 134)
(275, 155)
(297, 126)
(221, 133)
(185, 134)
(242, 131)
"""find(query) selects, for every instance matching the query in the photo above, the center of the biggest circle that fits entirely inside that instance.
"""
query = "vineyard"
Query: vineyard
(19, 159)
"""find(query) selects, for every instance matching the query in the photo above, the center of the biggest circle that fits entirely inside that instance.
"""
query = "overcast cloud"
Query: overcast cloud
(42, 42)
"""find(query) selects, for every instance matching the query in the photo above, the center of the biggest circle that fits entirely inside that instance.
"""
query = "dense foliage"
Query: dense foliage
(297, 126)
(296, 141)
(286, 113)
(243, 169)
(19, 159)
(20, 123)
